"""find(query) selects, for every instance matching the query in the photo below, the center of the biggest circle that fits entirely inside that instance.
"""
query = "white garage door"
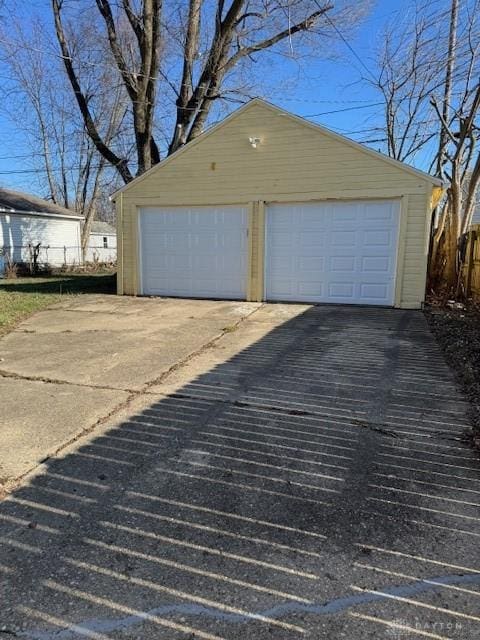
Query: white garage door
(198, 252)
(332, 252)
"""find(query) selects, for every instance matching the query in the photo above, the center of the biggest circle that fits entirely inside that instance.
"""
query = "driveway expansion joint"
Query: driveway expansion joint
(197, 352)
(17, 376)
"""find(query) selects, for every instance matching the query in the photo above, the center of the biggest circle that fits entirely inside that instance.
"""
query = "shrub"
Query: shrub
(11, 268)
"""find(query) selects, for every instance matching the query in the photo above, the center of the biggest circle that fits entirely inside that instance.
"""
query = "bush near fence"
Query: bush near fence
(471, 265)
(34, 259)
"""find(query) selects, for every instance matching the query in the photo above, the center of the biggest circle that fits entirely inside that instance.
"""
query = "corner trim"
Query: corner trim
(250, 288)
(402, 242)
(261, 252)
(120, 234)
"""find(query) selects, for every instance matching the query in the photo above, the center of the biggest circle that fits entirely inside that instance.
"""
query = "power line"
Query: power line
(345, 41)
(315, 101)
(326, 113)
(56, 169)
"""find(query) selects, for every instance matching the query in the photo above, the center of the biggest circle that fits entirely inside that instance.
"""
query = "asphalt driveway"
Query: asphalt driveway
(298, 473)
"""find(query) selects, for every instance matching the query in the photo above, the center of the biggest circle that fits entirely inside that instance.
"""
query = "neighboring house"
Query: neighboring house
(26, 220)
(103, 242)
(268, 206)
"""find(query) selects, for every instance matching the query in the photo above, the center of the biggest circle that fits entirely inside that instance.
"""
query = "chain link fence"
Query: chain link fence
(35, 258)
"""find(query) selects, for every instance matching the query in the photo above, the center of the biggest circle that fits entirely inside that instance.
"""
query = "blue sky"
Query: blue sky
(324, 87)
(336, 84)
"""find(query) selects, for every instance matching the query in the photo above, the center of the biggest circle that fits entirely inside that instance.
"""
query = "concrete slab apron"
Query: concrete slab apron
(122, 347)
(38, 418)
(312, 484)
(67, 368)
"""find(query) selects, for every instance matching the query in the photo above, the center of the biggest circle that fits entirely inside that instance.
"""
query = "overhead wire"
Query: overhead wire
(359, 104)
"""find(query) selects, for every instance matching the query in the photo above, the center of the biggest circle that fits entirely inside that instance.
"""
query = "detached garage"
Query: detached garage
(267, 206)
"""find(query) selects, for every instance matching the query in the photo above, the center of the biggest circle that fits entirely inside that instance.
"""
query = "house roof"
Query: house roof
(19, 202)
(287, 114)
(102, 228)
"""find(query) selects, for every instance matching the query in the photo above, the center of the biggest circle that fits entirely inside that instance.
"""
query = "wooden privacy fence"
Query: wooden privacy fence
(471, 268)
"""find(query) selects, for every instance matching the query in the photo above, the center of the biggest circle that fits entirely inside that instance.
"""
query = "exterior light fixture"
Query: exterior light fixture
(254, 142)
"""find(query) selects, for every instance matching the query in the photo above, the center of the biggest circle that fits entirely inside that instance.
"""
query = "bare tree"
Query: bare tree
(429, 81)
(409, 73)
(233, 41)
(463, 172)
(210, 41)
(67, 163)
(447, 89)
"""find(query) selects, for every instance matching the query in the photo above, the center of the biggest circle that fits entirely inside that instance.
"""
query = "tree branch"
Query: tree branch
(120, 164)
(304, 25)
(127, 76)
(445, 124)
(134, 21)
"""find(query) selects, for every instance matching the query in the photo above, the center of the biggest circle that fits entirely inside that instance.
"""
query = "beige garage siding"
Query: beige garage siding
(294, 162)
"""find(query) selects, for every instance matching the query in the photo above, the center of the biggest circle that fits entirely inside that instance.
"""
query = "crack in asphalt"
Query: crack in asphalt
(332, 607)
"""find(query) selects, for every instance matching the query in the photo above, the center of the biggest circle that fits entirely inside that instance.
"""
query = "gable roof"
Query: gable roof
(299, 120)
(101, 227)
(19, 202)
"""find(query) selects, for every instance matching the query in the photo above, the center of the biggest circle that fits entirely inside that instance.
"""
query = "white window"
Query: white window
(105, 242)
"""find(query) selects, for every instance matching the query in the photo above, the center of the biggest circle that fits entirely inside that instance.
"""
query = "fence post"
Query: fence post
(472, 239)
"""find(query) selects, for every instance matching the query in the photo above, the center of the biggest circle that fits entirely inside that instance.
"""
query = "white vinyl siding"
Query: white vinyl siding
(59, 238)
(96, 250)
(198, 252)
(332, 252)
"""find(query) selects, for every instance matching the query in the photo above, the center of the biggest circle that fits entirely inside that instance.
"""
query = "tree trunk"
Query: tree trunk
(447, 93)
(452, 230)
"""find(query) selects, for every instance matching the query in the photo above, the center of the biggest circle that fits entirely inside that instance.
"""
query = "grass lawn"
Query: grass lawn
(20, 297)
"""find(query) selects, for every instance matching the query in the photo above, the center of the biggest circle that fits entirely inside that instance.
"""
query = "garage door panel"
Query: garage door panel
(335, 252)
(343, 215)
(207, 263)
(311, 239)
(313, 264)
(343, 238)
(310, 251)
(194, 251)
(285, 239)
(284, 290)
(343, 290)
(158, 286)
(377, 238)
(375, 264)
(377, 291)
(308, 218)
(343, 263)
(310, 289)
(379, 212)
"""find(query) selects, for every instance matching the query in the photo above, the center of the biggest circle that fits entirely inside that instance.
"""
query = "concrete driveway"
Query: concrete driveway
(71, 366)
(300, 475)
